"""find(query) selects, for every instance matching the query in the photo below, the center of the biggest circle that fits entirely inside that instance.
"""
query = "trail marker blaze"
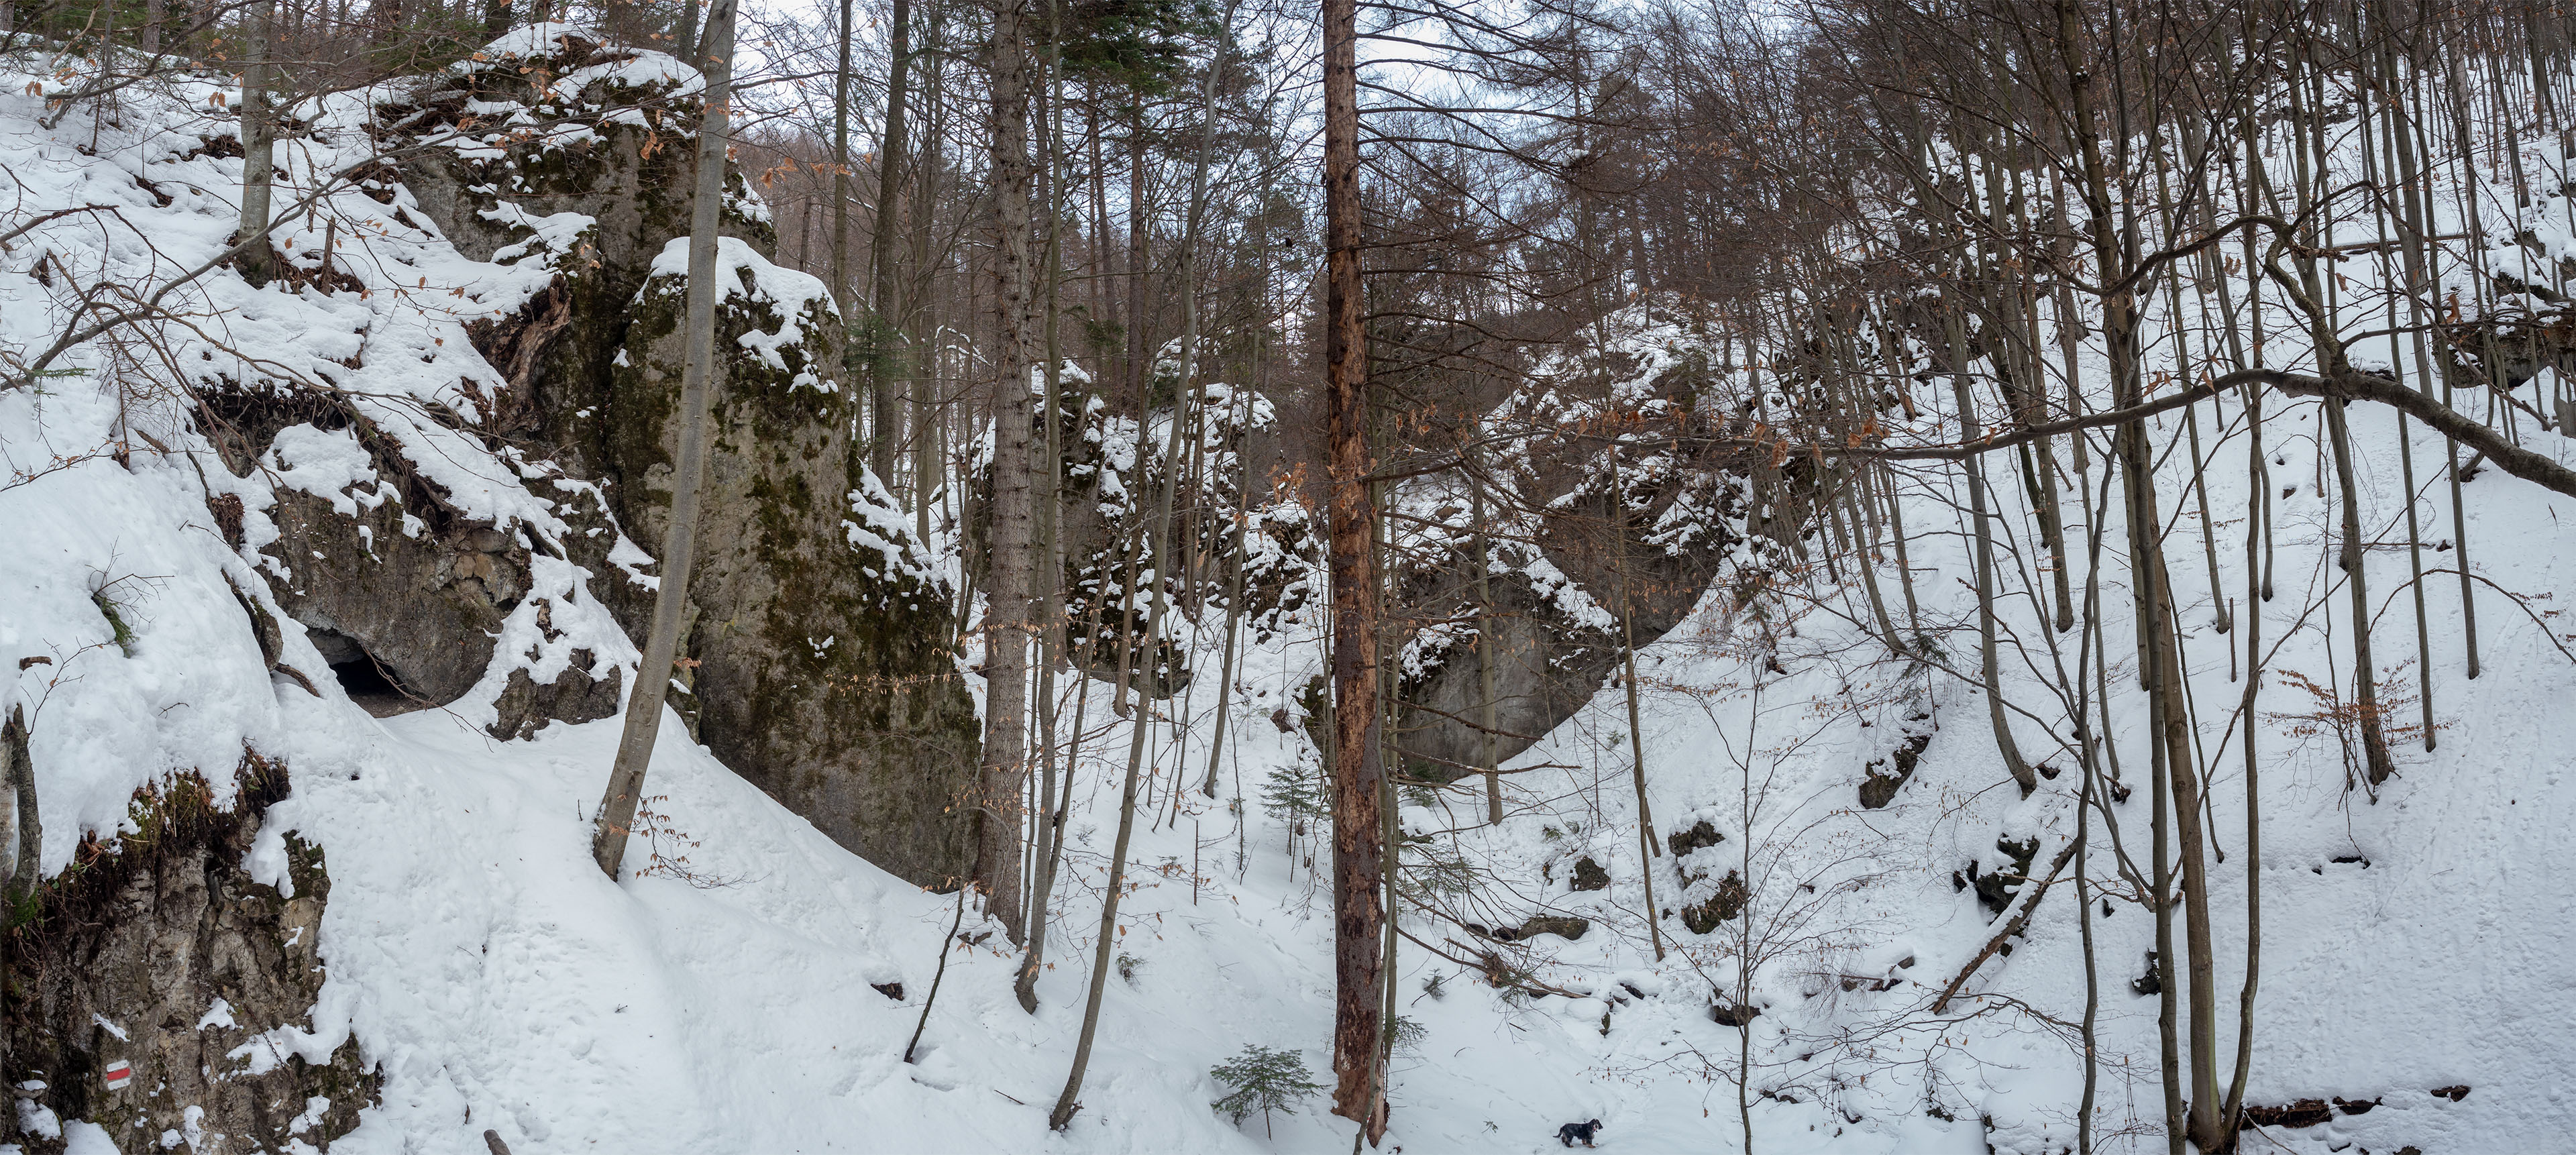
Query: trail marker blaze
(119, 1073)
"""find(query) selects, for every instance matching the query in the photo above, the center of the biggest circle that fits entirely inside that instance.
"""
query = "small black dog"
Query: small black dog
(1572, 1131)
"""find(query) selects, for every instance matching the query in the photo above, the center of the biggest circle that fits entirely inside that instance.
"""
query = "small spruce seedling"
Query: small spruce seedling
(1264, 1080)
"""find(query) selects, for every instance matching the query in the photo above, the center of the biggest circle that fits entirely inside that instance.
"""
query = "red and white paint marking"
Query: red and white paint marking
(119, 1073)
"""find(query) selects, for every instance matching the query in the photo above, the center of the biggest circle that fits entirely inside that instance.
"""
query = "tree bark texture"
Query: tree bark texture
(1357, 766)
(1007, 628)
(680, 541)
(887, 344)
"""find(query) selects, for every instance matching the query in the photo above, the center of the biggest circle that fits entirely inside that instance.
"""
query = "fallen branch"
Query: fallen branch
(2526, 464)
(1491, 963)
(2019, 921)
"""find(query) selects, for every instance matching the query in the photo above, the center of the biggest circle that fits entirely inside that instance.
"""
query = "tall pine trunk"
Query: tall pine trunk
(1007, 629)
(1357, 914)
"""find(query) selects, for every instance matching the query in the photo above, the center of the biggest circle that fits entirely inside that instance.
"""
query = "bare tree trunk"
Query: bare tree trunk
(1140, 350)
(1356, 817)
(1050, 813)
(1137, 368)
(1007, 629)
(680, 539)
(1485, 652)
(937, 977)
(259, 144)
(1190, 384)
(2420, 287)
(1864, 528)
(886, 342)
(1647, 852)
(1183, 400)
(1896, 536)
(1067, 1103)
(2190, 1112)
(1233, 589)
(2231, 1115)
(1140, 723)
(1989, 667)
(921, 306)
(2374, 741)
(844, 295)
(688, 41)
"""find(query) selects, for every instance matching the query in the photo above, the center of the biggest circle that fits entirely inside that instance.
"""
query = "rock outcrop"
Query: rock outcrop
(824, 672)
(405, 597)
(1112, 482)
(160, 990)
(818, 656)
(818, 662)
(1579, 568)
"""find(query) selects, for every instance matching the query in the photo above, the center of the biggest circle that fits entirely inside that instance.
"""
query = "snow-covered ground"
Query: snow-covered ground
(499, 981)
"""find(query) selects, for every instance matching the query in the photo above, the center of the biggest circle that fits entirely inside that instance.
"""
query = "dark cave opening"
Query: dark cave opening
(367, 681)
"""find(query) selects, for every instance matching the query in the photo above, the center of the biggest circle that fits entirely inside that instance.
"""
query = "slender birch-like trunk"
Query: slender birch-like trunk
(680, 539)
(1050, 812)
(259, 143)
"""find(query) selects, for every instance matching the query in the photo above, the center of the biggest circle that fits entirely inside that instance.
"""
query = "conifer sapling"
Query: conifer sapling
(1264, 1080)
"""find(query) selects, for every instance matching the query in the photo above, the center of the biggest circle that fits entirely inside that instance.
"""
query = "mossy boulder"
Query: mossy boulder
(1701, 835)
(1882, 778)
(574, 159)
(1996, 888)
(825, 672)
(404, 596)
(1589, 875)
(1725, 901)
(821, 643)
(158, 956)
(1556, 587)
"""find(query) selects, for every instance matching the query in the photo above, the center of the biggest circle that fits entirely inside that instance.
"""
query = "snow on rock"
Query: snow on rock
(742, 272)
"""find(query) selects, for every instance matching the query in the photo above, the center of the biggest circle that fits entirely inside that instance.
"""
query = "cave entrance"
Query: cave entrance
(367, 681)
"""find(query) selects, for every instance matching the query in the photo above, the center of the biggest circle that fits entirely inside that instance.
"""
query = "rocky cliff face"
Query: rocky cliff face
(817, 658)
(457, 527)
(157, 988)
(1579, 567)
(1114, 470)
(824, 673)
(818, 634)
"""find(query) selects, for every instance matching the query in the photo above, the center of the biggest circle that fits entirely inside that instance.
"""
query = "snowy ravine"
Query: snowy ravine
(496, 980)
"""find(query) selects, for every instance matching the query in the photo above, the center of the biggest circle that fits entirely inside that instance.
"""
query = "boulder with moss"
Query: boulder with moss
(162, 985)
(824, 672)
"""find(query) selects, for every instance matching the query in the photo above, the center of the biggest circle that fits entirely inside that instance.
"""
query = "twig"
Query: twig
(939, 974)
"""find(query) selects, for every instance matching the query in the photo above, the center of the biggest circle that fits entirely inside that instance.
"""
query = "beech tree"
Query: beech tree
(643, 723)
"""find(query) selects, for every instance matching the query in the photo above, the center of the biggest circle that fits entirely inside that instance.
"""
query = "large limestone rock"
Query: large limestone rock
(162, 956)
(1571, 555)
(406, 597)
(825, 675)
(822, 669)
